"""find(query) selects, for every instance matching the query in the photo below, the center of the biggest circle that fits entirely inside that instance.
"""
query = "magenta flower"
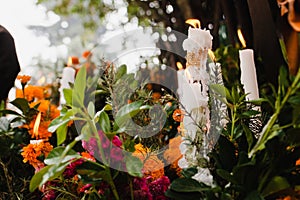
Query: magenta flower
(116, 141)
(159, 187)
(70, 170)
(141, 189)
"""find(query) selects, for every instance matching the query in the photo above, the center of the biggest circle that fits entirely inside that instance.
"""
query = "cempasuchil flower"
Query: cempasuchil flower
(33, 151)
(24, 79)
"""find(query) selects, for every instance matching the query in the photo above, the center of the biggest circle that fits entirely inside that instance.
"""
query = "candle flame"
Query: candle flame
(211, 55)
(195, 23)
(241, 37)
(72, 60)
(179, 65)
(36, 125)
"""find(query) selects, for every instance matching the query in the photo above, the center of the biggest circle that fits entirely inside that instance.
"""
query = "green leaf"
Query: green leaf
(79, 88)
(53, 172)
(275, 185)
(294, 100)
(37, 178)
(283, 78)
(189, 172)
(61, 133)
(68, 94)
(91, 109)
(126, 112)
(134, 166)
(122, 70)
(55, 156)
(86, 132)
(258, 101)
(250, 113)
(104, 122)
(61, 120)
(249, 136)
(9, 112)
(187, 185)
(219, 89)
(21, 104)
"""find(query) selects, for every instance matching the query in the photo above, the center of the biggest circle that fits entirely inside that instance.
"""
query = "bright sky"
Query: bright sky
(16, 15)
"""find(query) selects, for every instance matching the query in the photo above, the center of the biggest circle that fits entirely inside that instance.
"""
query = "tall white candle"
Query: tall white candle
(68, 76)
(248, 74)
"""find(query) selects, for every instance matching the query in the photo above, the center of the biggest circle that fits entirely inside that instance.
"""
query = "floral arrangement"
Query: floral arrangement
(98, 145)
(82, 152)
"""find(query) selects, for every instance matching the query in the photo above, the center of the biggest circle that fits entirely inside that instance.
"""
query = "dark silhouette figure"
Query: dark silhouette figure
(9, 64)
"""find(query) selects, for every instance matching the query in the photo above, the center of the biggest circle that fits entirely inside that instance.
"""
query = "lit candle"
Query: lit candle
(248, 70)
(68, 76)
(248, 74)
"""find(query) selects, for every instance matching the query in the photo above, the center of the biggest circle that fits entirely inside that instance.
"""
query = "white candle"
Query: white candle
(248, 74)
(197, 39)
(68, 76)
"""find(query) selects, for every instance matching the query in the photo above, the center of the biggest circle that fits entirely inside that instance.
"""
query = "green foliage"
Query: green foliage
(246, 167)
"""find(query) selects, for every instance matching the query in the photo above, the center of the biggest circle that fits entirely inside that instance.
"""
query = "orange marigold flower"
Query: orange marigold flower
(24, 79)
(42, 133)
(43, 106)
(31, 92)
(33, 151)
(178, 115)
(86, 54)
(54, 112)
(152, 165)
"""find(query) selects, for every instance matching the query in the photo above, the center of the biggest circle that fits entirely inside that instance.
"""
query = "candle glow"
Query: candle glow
(241, 37)
(195, 23)
(179, 65)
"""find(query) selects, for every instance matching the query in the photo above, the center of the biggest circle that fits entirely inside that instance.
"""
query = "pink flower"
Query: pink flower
(116, 141)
